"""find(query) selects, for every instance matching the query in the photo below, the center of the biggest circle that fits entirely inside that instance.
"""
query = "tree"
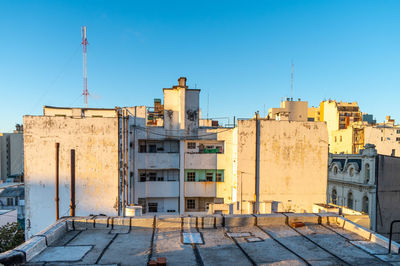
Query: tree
(11, 235)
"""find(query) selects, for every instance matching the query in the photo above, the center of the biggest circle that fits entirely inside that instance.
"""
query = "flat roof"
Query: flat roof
(293, 239)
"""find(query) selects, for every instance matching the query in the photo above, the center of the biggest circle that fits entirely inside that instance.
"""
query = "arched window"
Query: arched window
(350, 200)
(335, 170)
(334, 196)
(365, 204)
(367, 174)
(351, 171)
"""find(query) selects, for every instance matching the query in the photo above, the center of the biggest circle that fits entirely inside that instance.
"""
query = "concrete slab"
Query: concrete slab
(167, 243)
(218, 249)
(64, 253)
(99, 239)
(301, 246)
(135, 247)
(338, 246)
(266, 251)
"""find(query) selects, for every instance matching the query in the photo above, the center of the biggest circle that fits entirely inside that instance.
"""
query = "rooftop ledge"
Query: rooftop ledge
(287, 237)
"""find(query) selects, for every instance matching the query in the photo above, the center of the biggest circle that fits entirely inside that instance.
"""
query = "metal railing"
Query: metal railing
(390, 236)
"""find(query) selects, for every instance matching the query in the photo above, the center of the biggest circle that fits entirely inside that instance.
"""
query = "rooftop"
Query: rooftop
(293, 239)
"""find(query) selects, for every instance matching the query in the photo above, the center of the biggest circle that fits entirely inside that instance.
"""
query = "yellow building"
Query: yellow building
(345, 126)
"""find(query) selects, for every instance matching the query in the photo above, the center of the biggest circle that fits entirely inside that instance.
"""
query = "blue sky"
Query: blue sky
(237, 52)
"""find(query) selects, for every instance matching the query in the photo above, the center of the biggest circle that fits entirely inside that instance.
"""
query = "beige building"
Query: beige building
(11, 154)
(282, 164)
(290, 111)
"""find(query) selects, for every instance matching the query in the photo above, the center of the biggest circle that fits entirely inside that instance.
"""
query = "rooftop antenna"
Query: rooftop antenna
(84, 45)
(291, 82)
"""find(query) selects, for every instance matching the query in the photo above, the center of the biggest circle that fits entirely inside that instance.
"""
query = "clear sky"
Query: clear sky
(237, 53)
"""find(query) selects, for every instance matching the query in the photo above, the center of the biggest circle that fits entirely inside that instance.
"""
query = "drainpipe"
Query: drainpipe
(257, 183)
(57, 199)
(72, 205)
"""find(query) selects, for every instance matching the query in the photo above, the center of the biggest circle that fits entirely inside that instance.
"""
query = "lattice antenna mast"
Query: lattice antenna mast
(291, 83)
(84, 45)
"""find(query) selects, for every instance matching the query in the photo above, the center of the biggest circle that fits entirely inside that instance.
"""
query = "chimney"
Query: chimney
(182, 82)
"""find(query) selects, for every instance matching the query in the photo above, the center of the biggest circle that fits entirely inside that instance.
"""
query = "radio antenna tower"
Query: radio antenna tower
(291, 83)
(84, 45)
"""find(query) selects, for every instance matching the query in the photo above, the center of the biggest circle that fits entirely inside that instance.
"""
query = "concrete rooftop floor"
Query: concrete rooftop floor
(213, 240)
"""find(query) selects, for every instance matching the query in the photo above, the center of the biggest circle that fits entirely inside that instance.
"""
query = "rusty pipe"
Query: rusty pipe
(57, 199)
(72, 204)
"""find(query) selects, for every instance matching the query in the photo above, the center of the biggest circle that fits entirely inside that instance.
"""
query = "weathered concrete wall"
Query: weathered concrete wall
(95, 141)
(388, 194)
(293, 162)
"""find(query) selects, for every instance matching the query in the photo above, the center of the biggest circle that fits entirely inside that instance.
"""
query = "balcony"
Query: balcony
(201, 160)
(158, 160)
(201, 189)
(158, 189)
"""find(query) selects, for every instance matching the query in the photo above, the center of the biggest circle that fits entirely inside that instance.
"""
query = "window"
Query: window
(191, 145)
(142, 202)
(10, 202)
(219, 177)
(365, 205)
(335, 170)
(367, 174)
(340, 138)
(153, 206)
(335, 139)
(209, 176)
(334, 196)
(160, 178)
(191, 176)
(397, 139)
(152, 176)
(152, 148)
(143, 177)
(171, 211)
(191, 204)
(398, 131)
(350, 200)
(142, 148)
(381, 138)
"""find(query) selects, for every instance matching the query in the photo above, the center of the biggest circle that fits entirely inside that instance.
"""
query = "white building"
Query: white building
(366, 182)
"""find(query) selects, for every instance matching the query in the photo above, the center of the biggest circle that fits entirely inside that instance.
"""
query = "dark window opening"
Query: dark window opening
(153, 206)
(191, 204)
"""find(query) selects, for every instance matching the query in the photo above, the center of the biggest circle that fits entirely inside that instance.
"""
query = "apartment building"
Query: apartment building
(12, 154)
(339, 115)
(179, 165)
(367, 182)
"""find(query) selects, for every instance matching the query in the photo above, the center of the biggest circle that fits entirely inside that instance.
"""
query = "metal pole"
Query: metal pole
(72, 205)
(257, 163)
(123, 163)
(57, 199)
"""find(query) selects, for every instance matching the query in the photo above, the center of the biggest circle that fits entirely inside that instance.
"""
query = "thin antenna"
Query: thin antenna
(208, 102)
(84, 45)
(291, 83)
